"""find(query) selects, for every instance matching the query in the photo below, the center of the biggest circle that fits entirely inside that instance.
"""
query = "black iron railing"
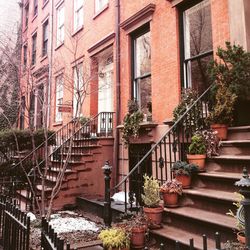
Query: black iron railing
(171, 147)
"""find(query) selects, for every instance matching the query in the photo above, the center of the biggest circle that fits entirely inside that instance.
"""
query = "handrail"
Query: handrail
(162, 138)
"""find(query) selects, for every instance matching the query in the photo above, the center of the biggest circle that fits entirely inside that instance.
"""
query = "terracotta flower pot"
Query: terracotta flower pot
(199, 160)
(154, 216)
(137, 238)
(241, 237)
(170, 199)
(221, 130)
(185, 180)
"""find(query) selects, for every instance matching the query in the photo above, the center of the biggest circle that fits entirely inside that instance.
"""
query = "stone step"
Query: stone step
(169, 233)
(201, 220)
(235, 147)
(239, 133)
(208, 199)
(223, 181)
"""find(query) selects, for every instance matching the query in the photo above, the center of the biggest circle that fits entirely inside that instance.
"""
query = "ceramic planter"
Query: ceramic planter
(241, 238)
(154, 216)
(185, 180)
(137, 238)
(221, 130)
(170, 199)
(199, 160)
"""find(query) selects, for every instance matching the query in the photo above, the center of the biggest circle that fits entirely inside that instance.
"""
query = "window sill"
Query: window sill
(57, 124)
(101, 11)
(77, 31)
(144, 125)
(59, 46)
(34, 17)
(43, 58)
(44, 5)
(25, 29)
(33, 66)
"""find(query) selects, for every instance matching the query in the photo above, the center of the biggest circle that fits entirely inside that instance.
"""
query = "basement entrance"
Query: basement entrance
(136, 153)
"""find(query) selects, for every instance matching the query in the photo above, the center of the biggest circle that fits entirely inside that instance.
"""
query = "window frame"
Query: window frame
(59, 98)
(135, 35)
(26, 16)
(45, 39)
(35, 8)
(25, 56)
(184, 61)
(78, 11)
(60, 32)
(34, 49)
(99, 7)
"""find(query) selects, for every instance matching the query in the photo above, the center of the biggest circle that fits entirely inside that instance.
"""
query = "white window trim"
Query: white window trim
(100, 4)
(78, 10)
(60, 25)
(59, 98)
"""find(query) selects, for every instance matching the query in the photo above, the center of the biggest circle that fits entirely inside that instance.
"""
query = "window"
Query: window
(35, 7)
(25, 51)
(78, 90)
(100, 4)
(34, 39)
(141, 49)
(78, 14)
(26, 15)
(197, 45)
(60, 25)
(45, 38)
(59, 97)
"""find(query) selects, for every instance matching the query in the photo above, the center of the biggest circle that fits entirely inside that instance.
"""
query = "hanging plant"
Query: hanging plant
(131, 122)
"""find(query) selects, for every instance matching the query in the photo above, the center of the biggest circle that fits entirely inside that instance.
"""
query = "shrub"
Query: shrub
(184, 168)
(171, 186)
(198, 145)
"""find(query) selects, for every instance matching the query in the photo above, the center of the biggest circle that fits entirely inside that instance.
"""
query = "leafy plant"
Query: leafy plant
(184, 168)
(198, 145)
(131, 122)
(211, 142)
(233, 246)
(84, 120)
(171, 186)
(151, 196)
(114, 237)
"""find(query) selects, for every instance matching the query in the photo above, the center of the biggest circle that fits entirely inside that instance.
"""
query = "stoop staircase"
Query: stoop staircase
(83, 151)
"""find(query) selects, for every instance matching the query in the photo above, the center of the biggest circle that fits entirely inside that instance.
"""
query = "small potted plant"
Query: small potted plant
(170, 191)
(197, 151)
(131, 122)
(183, 172)
(151, 200)
(115, 238)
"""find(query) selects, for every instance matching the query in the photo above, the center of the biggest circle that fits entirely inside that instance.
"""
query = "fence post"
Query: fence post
(107, 214)
(244, 185)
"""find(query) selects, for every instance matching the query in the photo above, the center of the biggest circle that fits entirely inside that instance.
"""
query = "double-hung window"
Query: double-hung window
(60, 24)
(25, 54)
(78, 90)
(35, 7)
(100, 4)
(26, 15)
(78, 14)
(34, 40)
(45, 38)
(59, 98)
(141, 69)
(197, 44)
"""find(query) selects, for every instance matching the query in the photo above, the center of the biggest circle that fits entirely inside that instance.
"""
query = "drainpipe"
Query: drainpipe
(50, 61)
(118, 87)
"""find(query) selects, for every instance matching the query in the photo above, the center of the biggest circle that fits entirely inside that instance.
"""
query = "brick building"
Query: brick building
(146, 50)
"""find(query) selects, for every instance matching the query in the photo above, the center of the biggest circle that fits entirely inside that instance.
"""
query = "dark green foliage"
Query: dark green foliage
(183, 168)
(24, 138)
(198, 145)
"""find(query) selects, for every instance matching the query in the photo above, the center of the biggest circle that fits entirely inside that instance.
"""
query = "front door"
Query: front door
(136, 153)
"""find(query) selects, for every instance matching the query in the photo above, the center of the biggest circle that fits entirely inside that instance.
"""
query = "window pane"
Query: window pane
(198, 29)
(142, 55)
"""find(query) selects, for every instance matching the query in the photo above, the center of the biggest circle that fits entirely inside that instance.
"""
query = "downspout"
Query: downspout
(118, 88)
(51, 22)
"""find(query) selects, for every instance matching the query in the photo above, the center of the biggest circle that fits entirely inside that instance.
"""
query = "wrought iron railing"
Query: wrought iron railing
(171, 147)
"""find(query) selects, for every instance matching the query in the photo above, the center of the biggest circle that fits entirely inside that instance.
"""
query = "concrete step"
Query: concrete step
(201, 220)
(235, 147)
(168, 234)
(239, 133)
(208, 199)
(223, 181)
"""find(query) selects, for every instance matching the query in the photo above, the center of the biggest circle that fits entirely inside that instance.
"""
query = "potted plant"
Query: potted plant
(170, 191)
(151, 200)
(212, 142)
(197, 151)
(183, 172)
(222, 115)
(239, 216)
(131, 122)
(114, 239)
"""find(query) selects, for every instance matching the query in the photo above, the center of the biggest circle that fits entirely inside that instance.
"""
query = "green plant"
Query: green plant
(198, 145)
(84, 120)
(151, 196)
(114, 237)
(211, 142)
(184, 168)
(171, 186)
(131, 122)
